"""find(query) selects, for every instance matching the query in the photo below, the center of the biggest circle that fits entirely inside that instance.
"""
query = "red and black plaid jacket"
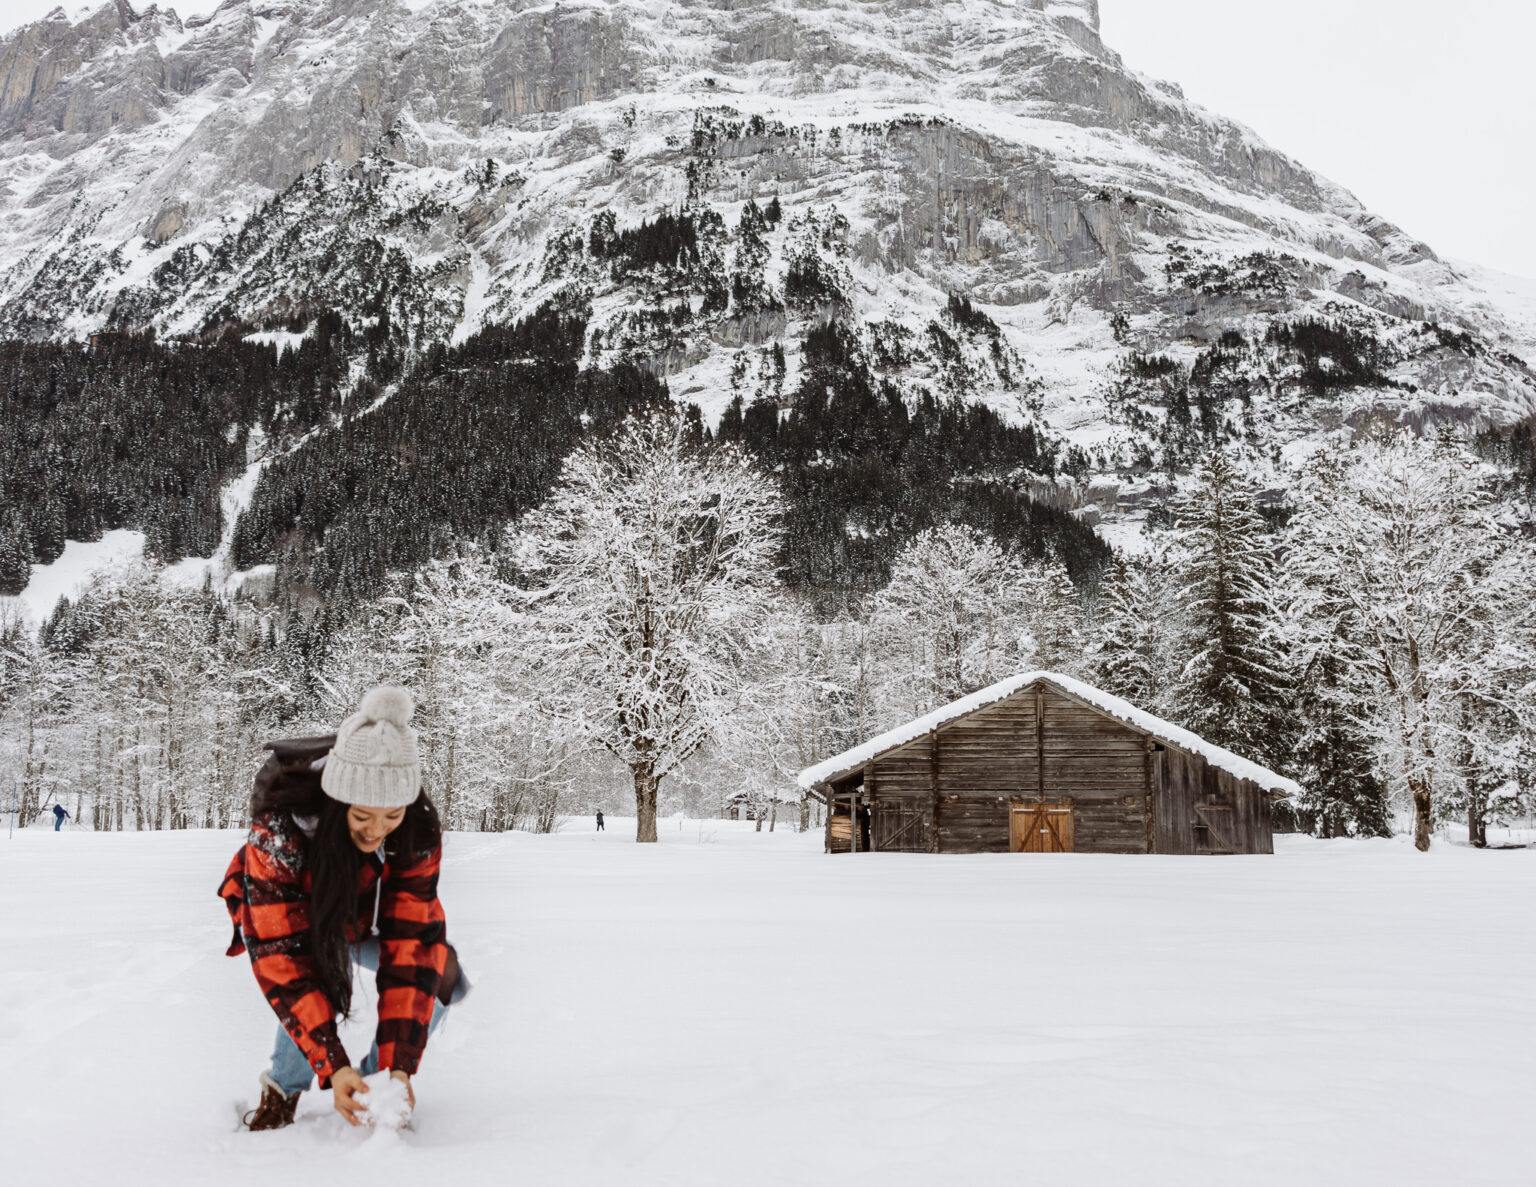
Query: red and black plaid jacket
(267, 890)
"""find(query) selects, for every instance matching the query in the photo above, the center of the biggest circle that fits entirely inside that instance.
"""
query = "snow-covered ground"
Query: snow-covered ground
(67, 576)
(122, 550)
(733, 1008)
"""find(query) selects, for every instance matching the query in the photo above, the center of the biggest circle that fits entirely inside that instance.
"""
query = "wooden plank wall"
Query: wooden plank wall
(992, 753)
(906, 771)
(973, 824)
(983, 763)
(1117, 825)
(1256, 815)
(1100, 766)
(990, 759)
(961, 781)
(1189, 782)
(1179, 776)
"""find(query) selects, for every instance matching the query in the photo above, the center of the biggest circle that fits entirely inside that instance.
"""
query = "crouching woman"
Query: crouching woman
(340, 868)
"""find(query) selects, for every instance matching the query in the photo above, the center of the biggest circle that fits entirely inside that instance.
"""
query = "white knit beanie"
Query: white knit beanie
(373, 763)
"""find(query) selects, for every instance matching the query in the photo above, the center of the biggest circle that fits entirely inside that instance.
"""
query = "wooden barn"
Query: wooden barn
(1043, 763)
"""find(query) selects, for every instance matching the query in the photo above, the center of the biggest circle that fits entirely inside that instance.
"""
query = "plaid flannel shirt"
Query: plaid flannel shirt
(267, 891)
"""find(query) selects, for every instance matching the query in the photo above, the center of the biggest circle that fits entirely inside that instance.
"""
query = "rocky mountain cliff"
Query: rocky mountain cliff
(988, 200)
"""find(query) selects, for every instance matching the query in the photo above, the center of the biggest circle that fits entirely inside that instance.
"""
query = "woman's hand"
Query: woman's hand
(346, 1083)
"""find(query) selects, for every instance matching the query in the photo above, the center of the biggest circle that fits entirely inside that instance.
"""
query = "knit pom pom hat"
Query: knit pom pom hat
(373, 763)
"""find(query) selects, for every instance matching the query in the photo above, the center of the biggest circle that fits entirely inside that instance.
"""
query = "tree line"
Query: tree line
(126, 431)
(476, 434)
(637, 635)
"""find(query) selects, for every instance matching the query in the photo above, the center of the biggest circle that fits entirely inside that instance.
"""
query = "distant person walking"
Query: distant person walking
(600, 823)
(59, 817)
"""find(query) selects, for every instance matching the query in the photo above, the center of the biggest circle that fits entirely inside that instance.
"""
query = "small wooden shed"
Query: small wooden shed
(1043, 763)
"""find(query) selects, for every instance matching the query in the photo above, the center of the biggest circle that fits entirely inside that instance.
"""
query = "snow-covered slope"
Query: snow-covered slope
(67, 576)
(443, 164)
(675, 1013)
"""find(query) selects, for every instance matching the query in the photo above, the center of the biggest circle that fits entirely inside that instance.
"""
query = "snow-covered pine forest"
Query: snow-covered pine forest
(633, 643)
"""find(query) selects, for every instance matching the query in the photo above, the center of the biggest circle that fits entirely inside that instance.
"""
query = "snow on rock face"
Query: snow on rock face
(274, 157)
(1086, 11)
(241, 108)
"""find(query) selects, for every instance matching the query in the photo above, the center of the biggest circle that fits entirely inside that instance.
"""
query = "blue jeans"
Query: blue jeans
(291, 1071)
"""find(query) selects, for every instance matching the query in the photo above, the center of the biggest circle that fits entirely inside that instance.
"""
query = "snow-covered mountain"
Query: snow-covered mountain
(445, 164)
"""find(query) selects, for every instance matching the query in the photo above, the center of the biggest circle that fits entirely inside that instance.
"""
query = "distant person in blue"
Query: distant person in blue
(59, 817)
(600, 827)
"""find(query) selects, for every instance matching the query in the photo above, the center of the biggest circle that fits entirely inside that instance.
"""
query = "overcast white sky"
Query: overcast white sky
(1423, 109)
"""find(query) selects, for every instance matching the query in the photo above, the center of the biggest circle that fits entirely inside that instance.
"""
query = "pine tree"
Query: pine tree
(1234, 689)
(1335, 753)
(1057, 621)
(1132, 654)
(15, 553)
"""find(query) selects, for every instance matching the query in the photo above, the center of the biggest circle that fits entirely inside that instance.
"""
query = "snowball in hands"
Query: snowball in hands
(388, 1103)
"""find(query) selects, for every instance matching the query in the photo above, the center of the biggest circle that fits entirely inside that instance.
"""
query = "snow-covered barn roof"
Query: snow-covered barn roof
(1165, 731)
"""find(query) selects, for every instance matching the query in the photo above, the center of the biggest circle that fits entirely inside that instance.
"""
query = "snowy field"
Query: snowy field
(733, 1008)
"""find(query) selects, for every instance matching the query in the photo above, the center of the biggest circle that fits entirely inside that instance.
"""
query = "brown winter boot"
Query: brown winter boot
(275, 1110)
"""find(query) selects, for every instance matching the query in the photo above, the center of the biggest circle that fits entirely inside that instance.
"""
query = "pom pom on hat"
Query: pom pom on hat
(374, 762)
(388, 702)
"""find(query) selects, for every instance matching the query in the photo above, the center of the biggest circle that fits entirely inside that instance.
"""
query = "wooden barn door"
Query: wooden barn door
(1215, 826)
(1040, 828)
(901, 827)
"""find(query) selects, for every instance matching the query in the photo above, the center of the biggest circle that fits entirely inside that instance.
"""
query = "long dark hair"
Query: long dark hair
(288, 782)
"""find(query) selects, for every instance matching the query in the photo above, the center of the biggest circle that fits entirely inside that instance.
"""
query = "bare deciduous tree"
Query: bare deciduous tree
(649, 574)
